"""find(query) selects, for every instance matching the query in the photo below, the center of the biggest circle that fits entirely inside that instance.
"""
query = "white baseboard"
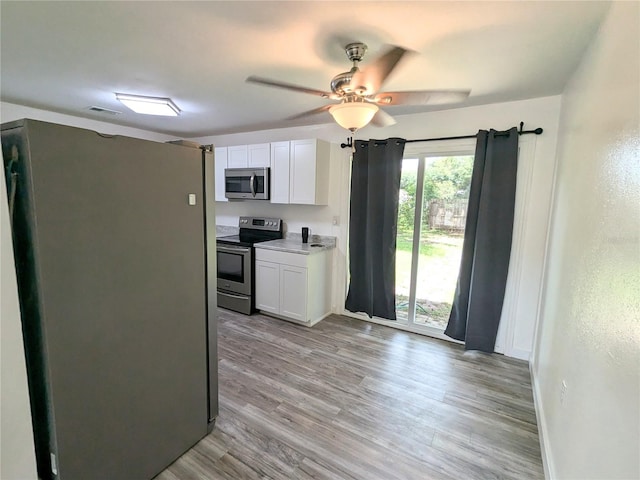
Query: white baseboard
(519, 353)
(310, 323)
(543, 435)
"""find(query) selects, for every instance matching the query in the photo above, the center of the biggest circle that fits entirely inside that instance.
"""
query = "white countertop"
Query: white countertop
(224, 231)
(295, 245)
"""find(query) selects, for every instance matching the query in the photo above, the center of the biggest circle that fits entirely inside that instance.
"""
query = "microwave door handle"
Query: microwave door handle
(252, 184)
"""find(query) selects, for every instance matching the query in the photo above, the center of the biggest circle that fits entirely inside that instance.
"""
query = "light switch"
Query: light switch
(192, 199)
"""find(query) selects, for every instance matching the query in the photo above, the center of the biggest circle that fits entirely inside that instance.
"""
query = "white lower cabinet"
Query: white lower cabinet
(267, 286)
(293, 292)
(293, 286)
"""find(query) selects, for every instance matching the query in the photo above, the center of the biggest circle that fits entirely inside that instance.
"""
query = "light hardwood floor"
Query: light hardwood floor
(351, 400)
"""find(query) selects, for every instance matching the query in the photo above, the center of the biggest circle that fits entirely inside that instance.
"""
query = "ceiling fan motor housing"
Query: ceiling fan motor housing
(341, 83)
(355, 51)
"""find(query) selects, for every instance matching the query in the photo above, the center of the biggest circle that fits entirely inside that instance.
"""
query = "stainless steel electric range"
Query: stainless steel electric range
(236, 283)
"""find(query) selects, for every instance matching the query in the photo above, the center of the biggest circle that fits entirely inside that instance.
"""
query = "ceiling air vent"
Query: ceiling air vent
(104, 110)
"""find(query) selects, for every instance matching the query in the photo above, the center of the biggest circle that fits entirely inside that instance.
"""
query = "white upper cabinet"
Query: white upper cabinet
(220, 161)
(259, 155)
(309, 172)
(299, 169)
(252, 156)
(280, 172)
(238, 156)
(303, 177)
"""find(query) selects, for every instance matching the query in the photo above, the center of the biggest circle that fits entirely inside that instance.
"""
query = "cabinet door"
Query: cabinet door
(267, 286)
(302, 164)
(293, 292)
(220, 159)
(238, 157)
(259, 155)
(280, 172)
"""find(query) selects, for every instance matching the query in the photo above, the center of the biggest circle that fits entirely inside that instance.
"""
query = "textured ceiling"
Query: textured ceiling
(68, 56)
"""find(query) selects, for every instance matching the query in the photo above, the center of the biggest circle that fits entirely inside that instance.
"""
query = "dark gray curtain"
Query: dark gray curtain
(373, 222)
(477, 303)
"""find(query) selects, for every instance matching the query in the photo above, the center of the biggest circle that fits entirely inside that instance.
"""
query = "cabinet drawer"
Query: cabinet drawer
(284, 258)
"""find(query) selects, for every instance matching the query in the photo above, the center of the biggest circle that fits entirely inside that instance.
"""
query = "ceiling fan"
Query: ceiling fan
(359, 91)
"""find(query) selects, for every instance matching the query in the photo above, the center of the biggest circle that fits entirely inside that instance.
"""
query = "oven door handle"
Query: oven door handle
(232, 249)
(252, 184)
(241, 297)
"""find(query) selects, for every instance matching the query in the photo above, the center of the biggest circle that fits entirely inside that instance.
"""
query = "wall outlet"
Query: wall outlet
(563, 392)
(335, 220)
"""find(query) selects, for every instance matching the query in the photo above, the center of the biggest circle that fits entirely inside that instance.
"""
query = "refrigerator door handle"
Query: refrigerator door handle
(12, 195)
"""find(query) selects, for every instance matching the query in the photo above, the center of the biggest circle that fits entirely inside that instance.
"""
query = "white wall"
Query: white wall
(523, 288)
(589, 333)
(16, 436)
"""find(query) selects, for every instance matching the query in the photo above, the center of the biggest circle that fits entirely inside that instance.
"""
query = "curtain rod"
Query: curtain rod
(537, 131)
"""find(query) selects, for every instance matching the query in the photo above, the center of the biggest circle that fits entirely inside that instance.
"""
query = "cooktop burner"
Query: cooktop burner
(254, 230)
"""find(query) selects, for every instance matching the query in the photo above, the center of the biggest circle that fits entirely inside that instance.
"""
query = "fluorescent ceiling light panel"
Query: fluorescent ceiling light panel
(149, 105)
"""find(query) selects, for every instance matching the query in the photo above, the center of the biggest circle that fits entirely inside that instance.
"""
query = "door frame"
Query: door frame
(412, 150)
(514, 307)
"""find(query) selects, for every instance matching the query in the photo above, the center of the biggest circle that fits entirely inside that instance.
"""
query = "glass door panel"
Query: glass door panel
(444, 210)
(441, 195)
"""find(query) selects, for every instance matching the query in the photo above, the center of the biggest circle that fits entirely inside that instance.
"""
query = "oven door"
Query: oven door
(234, 268)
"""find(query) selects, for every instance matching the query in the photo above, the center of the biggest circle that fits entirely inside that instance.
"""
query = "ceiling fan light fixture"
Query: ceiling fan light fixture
(353, 115)
(149, 105)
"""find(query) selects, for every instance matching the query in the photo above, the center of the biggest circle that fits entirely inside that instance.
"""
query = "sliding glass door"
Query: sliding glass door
(434, 193)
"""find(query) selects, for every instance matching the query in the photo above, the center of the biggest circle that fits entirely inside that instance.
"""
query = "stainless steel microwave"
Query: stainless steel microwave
(247, 183)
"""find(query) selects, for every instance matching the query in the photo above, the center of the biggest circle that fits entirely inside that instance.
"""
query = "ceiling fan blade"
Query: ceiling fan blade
(382, 119)
(288, 86)
(309, 113)
(420, 97)
(374, 74)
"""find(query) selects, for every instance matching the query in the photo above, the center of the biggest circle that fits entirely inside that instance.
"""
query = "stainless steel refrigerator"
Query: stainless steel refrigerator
(114, 241)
